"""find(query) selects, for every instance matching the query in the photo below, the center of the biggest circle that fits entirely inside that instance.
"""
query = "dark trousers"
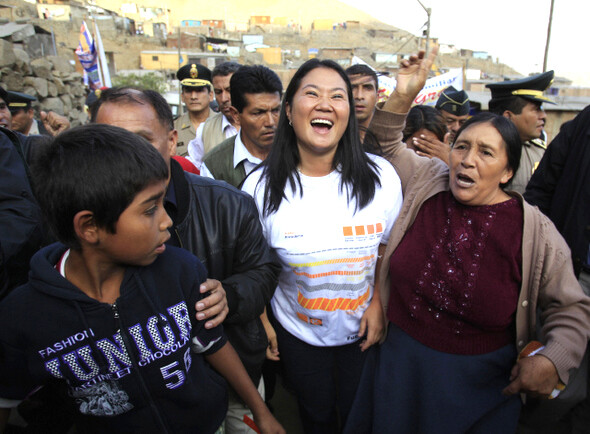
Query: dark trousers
(325, 380)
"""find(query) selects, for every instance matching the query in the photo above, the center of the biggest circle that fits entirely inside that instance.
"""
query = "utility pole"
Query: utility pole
(548, 37)
(428, 11)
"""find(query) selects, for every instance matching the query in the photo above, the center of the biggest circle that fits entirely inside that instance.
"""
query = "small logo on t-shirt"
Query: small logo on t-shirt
(309, 320)
(292, 234)
(361, 232)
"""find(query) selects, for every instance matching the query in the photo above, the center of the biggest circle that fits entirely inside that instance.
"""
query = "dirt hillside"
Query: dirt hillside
(239, 11)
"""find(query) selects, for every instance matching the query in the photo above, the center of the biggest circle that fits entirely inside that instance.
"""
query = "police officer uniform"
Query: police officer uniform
(191, 75)
(530, 89)
(18, 101)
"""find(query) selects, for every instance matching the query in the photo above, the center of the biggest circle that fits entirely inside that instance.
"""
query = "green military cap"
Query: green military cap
(453, 101)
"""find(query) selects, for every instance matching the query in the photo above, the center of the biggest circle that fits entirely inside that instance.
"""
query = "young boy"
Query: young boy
(111, 310)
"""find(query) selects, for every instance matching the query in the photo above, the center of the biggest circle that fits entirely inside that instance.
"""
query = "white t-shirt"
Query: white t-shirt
(328, 253)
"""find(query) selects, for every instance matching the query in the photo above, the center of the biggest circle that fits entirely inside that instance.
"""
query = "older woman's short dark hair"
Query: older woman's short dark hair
(507, 131)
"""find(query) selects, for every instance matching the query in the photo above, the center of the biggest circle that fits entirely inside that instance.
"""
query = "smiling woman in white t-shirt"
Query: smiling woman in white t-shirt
(327, 208)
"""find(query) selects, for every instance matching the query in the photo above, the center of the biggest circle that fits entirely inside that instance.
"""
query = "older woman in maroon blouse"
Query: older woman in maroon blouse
(469, 265)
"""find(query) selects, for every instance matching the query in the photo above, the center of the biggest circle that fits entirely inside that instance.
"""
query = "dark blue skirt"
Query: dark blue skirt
(410, 388)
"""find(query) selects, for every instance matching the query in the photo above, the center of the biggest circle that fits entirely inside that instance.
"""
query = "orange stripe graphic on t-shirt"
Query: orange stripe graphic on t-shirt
(332, 304)
(361, 230)
(329, 273)
(331, 261)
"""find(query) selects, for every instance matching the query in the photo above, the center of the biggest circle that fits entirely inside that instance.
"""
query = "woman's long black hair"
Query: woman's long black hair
(359, 174)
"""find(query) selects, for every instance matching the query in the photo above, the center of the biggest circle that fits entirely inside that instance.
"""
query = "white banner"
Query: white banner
(102, 60)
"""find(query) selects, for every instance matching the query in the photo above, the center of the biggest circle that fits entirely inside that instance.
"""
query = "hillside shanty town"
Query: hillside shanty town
(140, 37)
(285, 217)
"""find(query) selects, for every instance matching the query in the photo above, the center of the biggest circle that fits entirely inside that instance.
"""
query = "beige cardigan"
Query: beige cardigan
(548, 280)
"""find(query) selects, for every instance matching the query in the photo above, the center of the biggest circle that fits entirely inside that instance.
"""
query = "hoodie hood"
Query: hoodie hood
(45, 278)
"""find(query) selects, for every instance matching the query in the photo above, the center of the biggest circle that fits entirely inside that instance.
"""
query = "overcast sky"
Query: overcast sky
(515, 31)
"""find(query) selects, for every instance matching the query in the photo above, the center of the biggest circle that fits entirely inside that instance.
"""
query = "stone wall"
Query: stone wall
(51, 79)
(124, 48)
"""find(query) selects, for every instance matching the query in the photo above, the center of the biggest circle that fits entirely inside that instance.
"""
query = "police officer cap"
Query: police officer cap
(529, 88)
(453, 101)
(3, 95)
(194, 75)
(19, 100)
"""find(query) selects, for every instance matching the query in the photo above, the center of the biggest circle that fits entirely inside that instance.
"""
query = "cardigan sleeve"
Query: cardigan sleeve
(387, 128)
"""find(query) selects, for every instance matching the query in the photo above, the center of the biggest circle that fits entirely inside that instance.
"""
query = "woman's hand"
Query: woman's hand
(432, 147)
(411, 77)
(372, 324)
(267, 424)
(272, 351)
(535, 376)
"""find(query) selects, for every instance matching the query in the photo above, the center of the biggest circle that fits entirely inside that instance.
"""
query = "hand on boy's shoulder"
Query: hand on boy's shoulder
(214, 306)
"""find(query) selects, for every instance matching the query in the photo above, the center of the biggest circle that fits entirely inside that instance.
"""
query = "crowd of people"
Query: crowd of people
(381, 254)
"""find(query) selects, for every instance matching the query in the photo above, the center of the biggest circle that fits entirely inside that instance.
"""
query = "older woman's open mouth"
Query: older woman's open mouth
(464, 180)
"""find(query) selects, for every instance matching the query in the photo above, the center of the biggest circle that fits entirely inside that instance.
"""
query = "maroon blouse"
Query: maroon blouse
(456, 275)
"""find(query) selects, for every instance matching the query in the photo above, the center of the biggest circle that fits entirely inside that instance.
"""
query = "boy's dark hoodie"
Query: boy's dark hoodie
(130, 366)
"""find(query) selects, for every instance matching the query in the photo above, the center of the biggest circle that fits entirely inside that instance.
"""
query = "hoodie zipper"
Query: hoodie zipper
(125, 340)
(178, 238)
